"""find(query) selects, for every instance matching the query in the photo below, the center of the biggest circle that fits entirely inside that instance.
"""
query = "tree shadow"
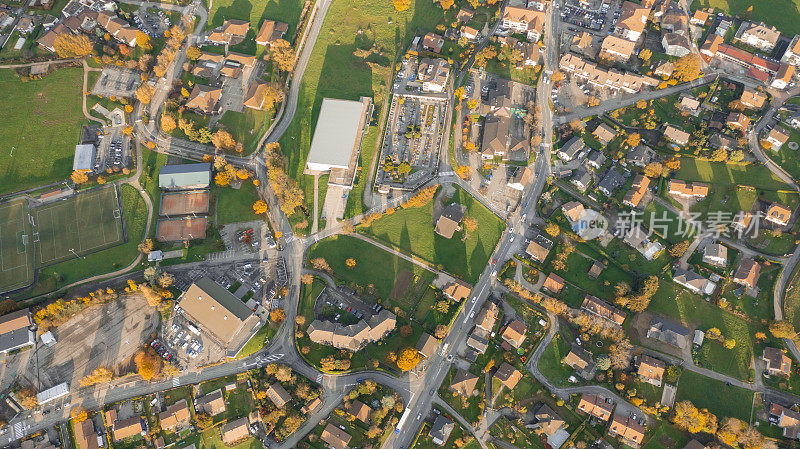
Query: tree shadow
(287, 11)
(239, 9)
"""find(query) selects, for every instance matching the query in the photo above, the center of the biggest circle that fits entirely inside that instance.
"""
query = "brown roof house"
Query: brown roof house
(278, 395)
(335, 437)
(126, 428)
(508, 375)
(231, 32)
(360, 411)
(604, 133)
(457, 290)
(696, 190)
(778, 214)
(464, 383)
(737, 120)
(639, 188)
(676, 136)
(176, 415)
(632, 20)
(450, 220)
(487, 317)
(548, 424)
(595, 406)
(426, 345)
(777, 361)
(85, 435)
(578, 358)
(786, 418)
(235, 431)
(748, 273)
(270, 32)
(204, 99)
(597, 306)
(627, 429)
(777, 136)
(464, 15)
(255, 95)
(651, 370)
(752, 98)
(553, 283)
(213, 403)
(432, 42)
(539, 248)
(514, 334)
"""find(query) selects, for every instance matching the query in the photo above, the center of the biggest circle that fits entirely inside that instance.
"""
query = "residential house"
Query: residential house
(15, 331)
(526, 21)
(792, 54)
(465, 15)
(741, 221)
(204, 99)
(278, 395)
(776, 137)
(595, 406)
(25, 25)
(604, 133)
(441, 430)
(578, 358)
(433, 74)
(571, 149)
(748, 273)
(426, 345)
(335, 437)
(676, 45)
(710, 47)
(212, 403)
(85, 435)
(778, 214)
(432, 42)
(539, 248)
(777, 362)
(126, 428)
(581, 179)
(628, 429)
(787, 419)
(699, 18)
(617, 49)
(508, 375)
(675, 21)
(690, 104)
(549, 426)
(311, 406)
(638, 239)
(582, 43)
(758, 35)
(737, 120)
(477, 340)
(520, 178)
(530, 53)
(256, 95)
(669, 332)
(175, 416)
(664, 69)
(360, 411)
(48, 39)
(682, 189)
(464, 383)
(651, 370)
(640, 155)
(716, 254)
(270, 32)
(640, 187)
(457, 290)
(596, 159)
(450, 220)
(554, 283)
(753, 99)
(232, 32)
(610, 182)
(487, 317)
(613, 80)
(469, 33)
(514, 333)
(598, 307)
(632, 20)
(235, 431)
(676, 135)
(596, 269)
(499, 140)
(784, 77)
(694, 282)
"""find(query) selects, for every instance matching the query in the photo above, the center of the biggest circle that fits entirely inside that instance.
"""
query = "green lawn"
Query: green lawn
(256, 12)
(784, 14)
(41, 123)
(355, 201)
(248, 126)
(791, 299)
(257, 342)
(665, 437)
(412, 231)
(333, 71)
(718, 398)
(235, 205)
(470, 408)
(550, 364)
(785, 156)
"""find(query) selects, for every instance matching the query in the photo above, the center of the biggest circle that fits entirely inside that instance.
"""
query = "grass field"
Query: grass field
(784, 14)
(412, 231)
(791, 299)
(256, 12)
(16, 257)
(718, 398)
(81, 224)
(248, 126)
(550, 364)
(234, 205)
(785, 156)
(333, 70)
(41, 122)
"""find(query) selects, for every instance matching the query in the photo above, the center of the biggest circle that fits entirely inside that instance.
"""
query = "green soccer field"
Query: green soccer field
(16, 259)
(79, 225)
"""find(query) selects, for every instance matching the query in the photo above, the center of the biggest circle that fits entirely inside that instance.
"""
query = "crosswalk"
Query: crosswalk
(176, 382)
(18, 431)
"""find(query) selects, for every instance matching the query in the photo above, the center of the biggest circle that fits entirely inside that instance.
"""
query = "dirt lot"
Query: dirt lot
(99, 336)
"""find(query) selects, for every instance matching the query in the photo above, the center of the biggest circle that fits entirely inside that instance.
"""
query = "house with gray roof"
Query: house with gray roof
(185, 176)
(596, 159)
(15, 330)
(693, 281)
(441, 430)
(669, 332)
(640, 155)
(581, 179)
(571, 149)
(610, 182)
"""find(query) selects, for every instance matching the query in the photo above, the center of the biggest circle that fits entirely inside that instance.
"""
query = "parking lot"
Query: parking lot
(598, 16)
(341, 303)
(116, 82)
(152, 21)
(113, 151)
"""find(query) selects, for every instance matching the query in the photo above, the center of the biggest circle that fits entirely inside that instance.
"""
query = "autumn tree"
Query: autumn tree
(307, 279)
(350, 263)
(719, 155)
(691, 419)
(193, 53)
(168, 123)
(277, 315)
(653, 170)
(282, 54)
(552, 229)
(78, 414)
(782, 329)
(401, 5)
(165, 280)
(222, 179)
(69, 45)
(144, 93)
(223, 140)
(100, 375)
(146, 246)
(79, 177)
(678, 249)
(633, 139)
(407, 359)
(441, 331)
(687, 68)
(148, 363)
(204, 420)
(27, 398)
(284, 373)
(260, 207)
(446, 4)
(620, 354)
(320, 264)
(143, 41)
(645, 54)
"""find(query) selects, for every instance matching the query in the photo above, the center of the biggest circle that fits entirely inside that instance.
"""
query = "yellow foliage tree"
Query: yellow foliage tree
(401, 5)
(222, 179)
(147, 363)
(350, 263)
(277, 315)
(407, 359)
(78, 414)
(168, 123)
(259, 207)
(79, 177)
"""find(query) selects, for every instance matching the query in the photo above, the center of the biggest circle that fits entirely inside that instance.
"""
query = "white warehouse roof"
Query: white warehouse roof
(52, 393)
(338, 133)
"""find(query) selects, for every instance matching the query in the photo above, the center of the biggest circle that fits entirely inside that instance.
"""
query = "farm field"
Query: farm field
(41, 123)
